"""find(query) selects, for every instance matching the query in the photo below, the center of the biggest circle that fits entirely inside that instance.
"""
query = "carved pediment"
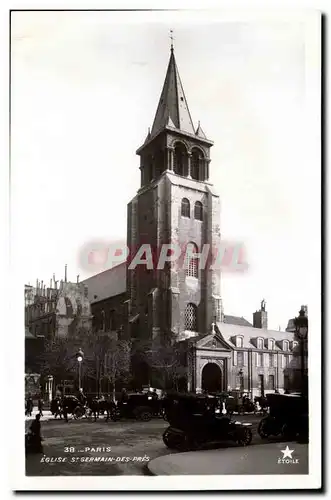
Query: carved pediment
(213, 341)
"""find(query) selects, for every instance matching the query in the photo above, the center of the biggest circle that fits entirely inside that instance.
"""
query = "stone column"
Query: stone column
(198, 374)
(170, 159)
(189, 156)
(49, 387)
(206, 169)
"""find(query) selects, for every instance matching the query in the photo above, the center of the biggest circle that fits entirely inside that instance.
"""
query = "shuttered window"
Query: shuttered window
(240, 358)
(259, 359)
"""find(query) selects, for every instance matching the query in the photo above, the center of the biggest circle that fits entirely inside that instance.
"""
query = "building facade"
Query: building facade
(181, 306)
(57, 311)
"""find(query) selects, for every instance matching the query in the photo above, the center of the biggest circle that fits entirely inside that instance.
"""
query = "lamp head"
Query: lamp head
(301, 325)
(80, 356)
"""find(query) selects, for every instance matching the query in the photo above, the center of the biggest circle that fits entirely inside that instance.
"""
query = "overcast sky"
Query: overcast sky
(85, 88)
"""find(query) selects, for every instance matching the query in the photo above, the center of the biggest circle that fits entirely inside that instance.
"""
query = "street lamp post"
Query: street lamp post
(301, 330)
(79, 357)
(240, 375)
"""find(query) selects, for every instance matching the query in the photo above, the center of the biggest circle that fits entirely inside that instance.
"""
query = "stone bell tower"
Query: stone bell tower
(176, 204)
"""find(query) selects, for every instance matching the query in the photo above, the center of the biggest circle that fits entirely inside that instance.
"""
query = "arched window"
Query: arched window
(111, 320)
(191, 262)
(180, 159)
(191, 317)
(102, 320)
(260, 343)
(185, 208)
(198, 210)
(271, 344)
(285, 345)
(240, 341)
(196, 164)
(150, 171)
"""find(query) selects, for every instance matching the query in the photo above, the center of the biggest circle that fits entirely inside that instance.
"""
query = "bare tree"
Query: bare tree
(168, 363)
(106, 358)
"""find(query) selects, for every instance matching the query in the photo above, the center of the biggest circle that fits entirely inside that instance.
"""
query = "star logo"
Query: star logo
(287, 452)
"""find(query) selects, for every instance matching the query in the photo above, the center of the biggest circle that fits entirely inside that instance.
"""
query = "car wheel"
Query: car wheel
(78, 413)
(245, 437)
(262, 429)
(167, 439)
(145, 416)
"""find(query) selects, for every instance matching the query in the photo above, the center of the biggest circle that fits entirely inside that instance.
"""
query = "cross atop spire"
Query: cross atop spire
(171, 36)
(172, 110)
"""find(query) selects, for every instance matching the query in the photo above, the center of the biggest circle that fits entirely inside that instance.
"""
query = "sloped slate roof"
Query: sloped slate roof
(107, 284)
(172, 104)
(236, 320)
(229, 330)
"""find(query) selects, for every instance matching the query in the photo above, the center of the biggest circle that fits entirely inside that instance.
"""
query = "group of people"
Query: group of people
(29, 405)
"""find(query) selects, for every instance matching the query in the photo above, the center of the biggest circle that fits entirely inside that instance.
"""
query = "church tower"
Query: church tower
(176, 204)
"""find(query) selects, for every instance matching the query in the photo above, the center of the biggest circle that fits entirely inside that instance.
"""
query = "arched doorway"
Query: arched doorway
(212, 378)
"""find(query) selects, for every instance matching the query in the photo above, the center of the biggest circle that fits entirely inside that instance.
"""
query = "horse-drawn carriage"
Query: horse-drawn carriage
(67, 405)
(141, 406)
(196, 420)
(239, 402)
(288, 417)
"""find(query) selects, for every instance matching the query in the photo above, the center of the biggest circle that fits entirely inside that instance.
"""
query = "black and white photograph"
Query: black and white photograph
(165, 190)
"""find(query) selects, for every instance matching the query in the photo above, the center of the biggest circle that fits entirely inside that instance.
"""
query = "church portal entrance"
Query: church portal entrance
(212, 379)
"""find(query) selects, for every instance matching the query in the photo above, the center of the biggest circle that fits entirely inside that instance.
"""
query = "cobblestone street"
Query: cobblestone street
(132, 444)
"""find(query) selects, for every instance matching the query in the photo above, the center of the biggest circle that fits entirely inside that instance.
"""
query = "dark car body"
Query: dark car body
(71, 404)
(196, 420)
(142, 406)
(288, 417)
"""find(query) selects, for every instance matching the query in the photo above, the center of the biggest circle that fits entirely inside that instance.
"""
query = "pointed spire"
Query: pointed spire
(172, 107)
(199, 132)
(172, 40)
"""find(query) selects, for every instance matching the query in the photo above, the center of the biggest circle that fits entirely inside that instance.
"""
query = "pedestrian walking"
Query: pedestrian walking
(29, 406)
(65, 408)
(40, 406)
(34, 439)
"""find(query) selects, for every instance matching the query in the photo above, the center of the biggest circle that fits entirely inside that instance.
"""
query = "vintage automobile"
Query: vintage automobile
(239, 402)
(72, 405)
(141, 406)
(288, 417)
(196, 420)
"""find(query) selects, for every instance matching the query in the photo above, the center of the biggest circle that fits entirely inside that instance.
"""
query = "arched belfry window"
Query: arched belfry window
(198, 210)
(185, 207)
(191, 318)
(191, 262)
(197, 164)
(102, 320)
(180, 159)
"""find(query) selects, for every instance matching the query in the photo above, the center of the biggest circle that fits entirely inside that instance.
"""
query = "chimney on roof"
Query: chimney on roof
(305, 308)
(260, 318)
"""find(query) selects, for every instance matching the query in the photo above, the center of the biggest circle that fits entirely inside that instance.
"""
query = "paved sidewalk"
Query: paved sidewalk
(47, 415)
(254, 459)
